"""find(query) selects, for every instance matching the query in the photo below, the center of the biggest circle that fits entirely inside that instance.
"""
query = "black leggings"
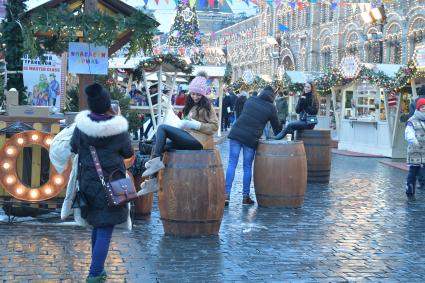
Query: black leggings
(180, 139)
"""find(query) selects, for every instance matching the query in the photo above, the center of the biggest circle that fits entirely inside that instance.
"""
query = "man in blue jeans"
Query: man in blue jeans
(245, 135)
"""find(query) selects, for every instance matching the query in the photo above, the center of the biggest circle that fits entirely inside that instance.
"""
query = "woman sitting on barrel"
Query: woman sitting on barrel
(199, 124)
(307, 108)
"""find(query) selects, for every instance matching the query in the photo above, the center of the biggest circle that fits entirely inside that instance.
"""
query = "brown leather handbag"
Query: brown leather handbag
(118, 192)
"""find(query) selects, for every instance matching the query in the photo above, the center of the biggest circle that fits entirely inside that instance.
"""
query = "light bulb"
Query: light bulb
(48, 190)
(58, 180)
(20, 140)
(34, 137)
(10, 180)
(10, 150)
(20, 191)
(48, 141)
(6, 165)
(34, 193)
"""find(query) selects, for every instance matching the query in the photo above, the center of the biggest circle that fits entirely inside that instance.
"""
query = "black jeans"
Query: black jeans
(180, 139)
(294, 126)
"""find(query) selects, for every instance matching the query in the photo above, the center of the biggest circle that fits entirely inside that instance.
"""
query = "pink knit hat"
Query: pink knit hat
(199, 84)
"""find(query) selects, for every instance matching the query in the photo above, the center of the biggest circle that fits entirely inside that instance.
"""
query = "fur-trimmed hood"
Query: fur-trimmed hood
(101, 129)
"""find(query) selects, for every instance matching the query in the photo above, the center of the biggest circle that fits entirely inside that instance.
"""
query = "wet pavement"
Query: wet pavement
(358, 228)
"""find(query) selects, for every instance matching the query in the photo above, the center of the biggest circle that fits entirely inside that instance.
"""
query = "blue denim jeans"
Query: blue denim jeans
(100, 239)
(248, 157)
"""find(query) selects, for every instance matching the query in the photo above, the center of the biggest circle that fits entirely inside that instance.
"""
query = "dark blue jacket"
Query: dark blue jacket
(256, 112)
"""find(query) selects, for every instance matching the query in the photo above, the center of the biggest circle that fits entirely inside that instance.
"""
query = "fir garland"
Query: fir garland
(151, 63)
(335, 77)
(227, 78)
(52, 30)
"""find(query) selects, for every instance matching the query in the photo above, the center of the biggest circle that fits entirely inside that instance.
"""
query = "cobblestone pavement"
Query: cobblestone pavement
(358, 228)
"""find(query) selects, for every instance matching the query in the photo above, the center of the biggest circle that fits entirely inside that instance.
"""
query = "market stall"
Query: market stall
(367, 100)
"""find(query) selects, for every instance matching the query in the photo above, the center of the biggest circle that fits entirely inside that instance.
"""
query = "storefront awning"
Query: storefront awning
(388, 69)
(212, 71)
(302, 77)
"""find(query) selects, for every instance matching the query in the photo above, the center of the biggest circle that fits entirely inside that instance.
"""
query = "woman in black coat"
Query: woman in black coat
(102, 128)
(245, 134)
(308, 104)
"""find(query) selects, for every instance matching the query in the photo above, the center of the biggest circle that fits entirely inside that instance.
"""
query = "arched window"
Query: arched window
(352, 43)
(373, 46)
(416, 33)
(393, 44)
(325, 54)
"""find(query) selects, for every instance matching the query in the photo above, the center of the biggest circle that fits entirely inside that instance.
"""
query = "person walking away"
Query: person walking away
(102, 128)
(232, 115)
(225, 111)
(307, 106)
(415, 136)
(240, 102)
(245, 135)
(200, 123)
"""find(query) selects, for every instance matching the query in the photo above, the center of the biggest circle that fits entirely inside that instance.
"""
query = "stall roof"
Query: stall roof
(121, 63)
(154, 77)
(302, 77)
(212, 71)
(389, 69)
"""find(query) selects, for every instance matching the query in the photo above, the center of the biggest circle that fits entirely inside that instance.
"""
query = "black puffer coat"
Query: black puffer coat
(306, 106)
(256, 112)
(113, 145)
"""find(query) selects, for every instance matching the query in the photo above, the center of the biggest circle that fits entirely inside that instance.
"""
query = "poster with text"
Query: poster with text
(44, 80)
(86, 58)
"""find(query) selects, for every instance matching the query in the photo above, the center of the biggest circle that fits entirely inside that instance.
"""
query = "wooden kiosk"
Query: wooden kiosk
(367, 113)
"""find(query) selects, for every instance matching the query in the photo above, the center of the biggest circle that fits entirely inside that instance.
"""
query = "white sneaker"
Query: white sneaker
(153, 166)
(148, 186)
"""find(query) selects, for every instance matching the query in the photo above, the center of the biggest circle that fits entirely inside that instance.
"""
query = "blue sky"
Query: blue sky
(164, 12)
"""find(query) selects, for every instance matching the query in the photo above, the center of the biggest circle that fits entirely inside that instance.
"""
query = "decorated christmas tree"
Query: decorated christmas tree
(185, 37)
(12, 45)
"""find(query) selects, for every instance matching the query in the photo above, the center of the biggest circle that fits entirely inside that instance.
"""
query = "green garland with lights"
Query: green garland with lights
(52, 29)
(335, 78)
(151, 63)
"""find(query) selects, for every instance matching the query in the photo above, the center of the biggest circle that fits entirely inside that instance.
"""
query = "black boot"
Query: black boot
(281, 135)
(410, 190)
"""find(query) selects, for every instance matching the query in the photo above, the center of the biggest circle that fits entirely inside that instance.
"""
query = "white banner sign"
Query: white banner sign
(350, 67)
(86, 58)
(420, 57)
(43, 80)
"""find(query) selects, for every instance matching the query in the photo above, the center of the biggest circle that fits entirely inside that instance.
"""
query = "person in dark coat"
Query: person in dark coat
(225, 112)
(240, 102)
(421, 94)
(233, 99)
(245, 135)
(107, 131)
(308, 104)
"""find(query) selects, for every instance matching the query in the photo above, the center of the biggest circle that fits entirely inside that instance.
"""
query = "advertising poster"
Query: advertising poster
(44, 80)
(86, 58)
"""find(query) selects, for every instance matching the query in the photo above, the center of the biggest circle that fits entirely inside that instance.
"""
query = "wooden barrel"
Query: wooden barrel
(191, 195)
(280, 174)
(317, 144)
(143, 204)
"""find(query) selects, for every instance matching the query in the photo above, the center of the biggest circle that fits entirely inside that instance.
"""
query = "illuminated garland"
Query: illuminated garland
(335, 78)
(52, 30)
(151, 63)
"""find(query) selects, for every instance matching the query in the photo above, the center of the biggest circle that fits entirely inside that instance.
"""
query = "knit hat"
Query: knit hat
(98, 99)
(199, 84)
(421, 101)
